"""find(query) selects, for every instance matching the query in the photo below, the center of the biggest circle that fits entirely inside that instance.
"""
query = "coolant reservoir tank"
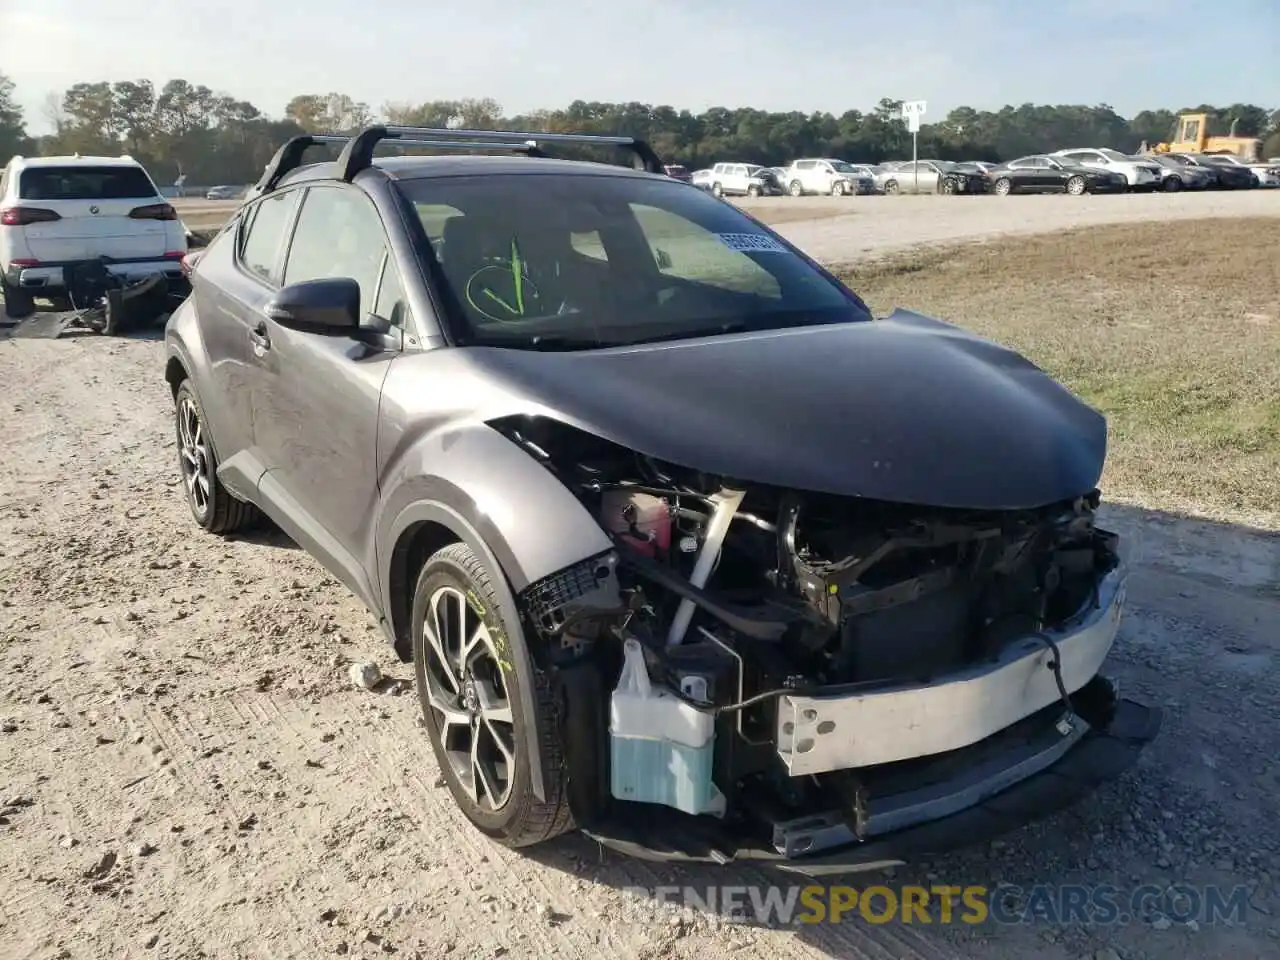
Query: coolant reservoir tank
(642, 519)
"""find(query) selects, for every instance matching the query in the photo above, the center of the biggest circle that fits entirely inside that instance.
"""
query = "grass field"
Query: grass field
(1172, 330)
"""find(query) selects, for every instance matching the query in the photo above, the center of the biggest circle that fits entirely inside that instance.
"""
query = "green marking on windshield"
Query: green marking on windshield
(517, 276)
(493, 296)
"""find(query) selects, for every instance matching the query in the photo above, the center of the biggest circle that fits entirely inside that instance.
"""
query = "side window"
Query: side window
(263, 234)
(339, 234)
(392, 304)
(719, 168)
(804, 164)
(695, 253)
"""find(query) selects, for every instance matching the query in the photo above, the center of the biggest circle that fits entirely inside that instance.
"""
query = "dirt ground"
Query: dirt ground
(186, 771)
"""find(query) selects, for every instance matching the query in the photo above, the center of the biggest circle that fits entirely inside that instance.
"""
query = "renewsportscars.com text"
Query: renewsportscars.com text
(944, 904)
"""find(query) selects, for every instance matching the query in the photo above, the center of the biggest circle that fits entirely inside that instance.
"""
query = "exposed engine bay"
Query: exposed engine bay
(841, 654)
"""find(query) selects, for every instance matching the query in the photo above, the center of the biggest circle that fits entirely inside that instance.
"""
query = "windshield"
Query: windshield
(1221, 161)
(570, 261)
(839, 166)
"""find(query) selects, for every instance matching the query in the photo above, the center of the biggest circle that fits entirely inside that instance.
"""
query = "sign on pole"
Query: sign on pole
(912, 111)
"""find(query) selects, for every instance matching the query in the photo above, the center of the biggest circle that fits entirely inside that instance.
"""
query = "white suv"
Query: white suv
(825, 176)
(57, 211)
(742, 180)
(1139, 174)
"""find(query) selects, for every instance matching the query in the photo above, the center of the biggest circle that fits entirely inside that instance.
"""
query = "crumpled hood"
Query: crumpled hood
(906, 408)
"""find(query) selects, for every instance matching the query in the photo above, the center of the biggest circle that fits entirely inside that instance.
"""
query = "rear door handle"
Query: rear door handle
(259, 337)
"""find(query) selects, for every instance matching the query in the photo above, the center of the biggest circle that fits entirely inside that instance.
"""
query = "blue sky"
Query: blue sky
(525, 54)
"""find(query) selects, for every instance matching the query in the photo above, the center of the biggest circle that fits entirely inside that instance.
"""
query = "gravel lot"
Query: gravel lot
(188, 772)
(876, 225)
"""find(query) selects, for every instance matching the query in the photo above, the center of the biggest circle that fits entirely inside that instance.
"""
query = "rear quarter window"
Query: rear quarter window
(85, 183)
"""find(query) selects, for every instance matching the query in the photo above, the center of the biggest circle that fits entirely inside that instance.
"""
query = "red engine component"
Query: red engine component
(642, 519)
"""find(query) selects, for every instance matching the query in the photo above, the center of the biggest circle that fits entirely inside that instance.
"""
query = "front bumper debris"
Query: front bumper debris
(1090, 759)
(841, 731)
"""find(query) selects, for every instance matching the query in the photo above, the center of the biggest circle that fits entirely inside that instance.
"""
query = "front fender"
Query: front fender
(532, 524)
(513, 514)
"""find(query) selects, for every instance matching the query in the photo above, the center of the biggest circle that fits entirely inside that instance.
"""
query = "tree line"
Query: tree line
(186, 129)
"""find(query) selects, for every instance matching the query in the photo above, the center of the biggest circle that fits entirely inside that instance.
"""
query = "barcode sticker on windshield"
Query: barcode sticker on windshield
(751, 242)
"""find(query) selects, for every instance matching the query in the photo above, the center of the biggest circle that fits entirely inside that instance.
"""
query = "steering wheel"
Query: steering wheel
(503, 290)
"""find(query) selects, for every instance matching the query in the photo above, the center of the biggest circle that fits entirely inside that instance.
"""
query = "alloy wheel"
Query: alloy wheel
(193, 451)
(468, 696)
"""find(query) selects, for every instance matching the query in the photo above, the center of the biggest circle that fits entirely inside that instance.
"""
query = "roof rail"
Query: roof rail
(289, 156)
(358, 153)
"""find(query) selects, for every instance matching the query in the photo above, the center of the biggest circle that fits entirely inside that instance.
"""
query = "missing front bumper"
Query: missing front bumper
(1098, 755)
(853, 730)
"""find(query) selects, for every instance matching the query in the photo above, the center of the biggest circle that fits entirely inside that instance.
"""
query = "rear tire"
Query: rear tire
(471, 694)
(891, 188)
(947, 186)
(17, 303)
(717, 190)
(212, 506)
(796, 189)
(1076, 186)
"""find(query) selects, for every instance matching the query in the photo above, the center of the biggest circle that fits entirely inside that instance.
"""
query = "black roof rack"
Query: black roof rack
(357, 152)
(289, 156)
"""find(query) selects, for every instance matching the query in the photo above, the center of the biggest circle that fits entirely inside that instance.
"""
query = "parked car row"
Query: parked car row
(1075, 171)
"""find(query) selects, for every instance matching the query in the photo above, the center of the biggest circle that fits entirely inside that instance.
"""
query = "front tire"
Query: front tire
(1004, 187)
(717, 190)
(891, 188)
(1172, 184)
(473, 707)
(212, 506)
(838, 189)
(947, 186)
(796, 189)
(753, 191)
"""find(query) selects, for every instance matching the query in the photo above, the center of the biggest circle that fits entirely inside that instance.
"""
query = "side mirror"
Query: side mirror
(329, 306)
(663, 258)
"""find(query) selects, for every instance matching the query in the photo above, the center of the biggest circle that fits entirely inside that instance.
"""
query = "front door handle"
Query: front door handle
(259, 337)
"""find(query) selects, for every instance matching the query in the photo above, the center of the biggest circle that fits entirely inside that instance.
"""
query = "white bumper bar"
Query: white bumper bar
(819, 734)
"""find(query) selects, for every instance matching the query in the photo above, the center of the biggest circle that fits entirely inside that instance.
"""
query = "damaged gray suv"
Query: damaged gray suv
(688, 550)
